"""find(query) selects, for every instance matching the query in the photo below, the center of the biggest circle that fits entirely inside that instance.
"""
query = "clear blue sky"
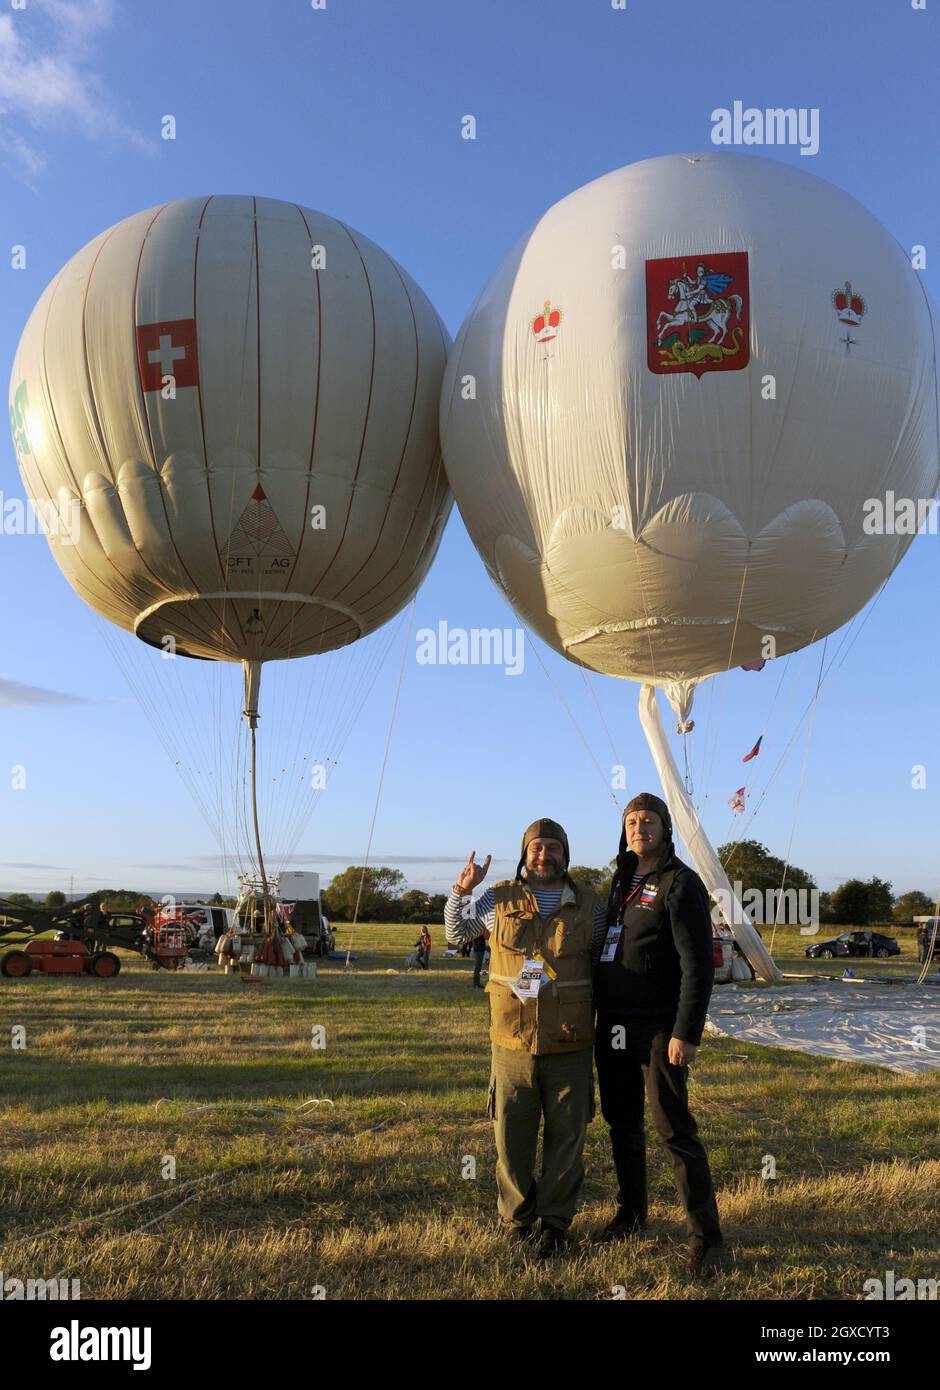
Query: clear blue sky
(355, 110)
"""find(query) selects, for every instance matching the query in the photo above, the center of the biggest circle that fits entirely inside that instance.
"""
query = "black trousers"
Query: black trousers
(632, 1061)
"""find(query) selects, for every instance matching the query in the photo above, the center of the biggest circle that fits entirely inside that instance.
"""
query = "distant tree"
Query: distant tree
(120, 899)
(55, 899)
(850, 905)
(217, 900)
(753, 866)
(415, 906)
(436, 905)
(598, 880)
(856, 903)
(911, 905)
(881, 897)
(379, 900)
(23, 899)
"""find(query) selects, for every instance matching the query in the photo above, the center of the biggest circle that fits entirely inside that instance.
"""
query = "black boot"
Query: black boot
(622, 1226)
(629, 1151)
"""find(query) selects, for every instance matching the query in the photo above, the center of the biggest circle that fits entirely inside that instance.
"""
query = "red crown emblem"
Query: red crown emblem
(848, 305)
(545, 324)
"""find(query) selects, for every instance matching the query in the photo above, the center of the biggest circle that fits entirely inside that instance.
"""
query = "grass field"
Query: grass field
(338, 1171)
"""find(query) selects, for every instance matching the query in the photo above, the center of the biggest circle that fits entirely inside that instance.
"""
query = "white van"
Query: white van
(211, 920)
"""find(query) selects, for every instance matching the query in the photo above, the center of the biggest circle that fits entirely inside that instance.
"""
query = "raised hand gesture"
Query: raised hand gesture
(471, 874)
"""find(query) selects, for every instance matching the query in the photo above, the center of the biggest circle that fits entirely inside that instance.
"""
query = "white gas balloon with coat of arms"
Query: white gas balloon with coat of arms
(670, 414)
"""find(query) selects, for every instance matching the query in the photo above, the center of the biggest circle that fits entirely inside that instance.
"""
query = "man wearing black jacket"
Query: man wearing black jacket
(653, 975)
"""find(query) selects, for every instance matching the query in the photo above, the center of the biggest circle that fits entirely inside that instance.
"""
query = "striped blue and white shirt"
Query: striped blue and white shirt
(466, 918)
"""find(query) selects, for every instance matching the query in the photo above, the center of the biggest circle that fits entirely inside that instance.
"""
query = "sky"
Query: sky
(355, 108)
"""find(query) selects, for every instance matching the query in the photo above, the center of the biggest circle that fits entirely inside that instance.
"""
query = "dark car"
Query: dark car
(855, 943)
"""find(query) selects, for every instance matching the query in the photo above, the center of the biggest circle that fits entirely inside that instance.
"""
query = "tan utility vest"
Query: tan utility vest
(561, 1018)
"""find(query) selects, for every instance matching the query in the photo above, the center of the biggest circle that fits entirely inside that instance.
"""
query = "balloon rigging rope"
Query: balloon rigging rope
(603, 722)
(356, 677)
(825, 676)
(574, 723)
(767, 718)
(353, 700)
(719, 711)
(706, 731)
(141, 689)
(378, 793)
(646, 613)
(928, 956)
(799, 793)
(301, 726)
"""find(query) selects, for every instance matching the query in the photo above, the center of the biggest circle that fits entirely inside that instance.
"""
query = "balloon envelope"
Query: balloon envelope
(237, 399)
(664, 415)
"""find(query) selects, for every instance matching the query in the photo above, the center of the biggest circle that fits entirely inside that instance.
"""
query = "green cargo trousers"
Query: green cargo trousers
(523, 1089)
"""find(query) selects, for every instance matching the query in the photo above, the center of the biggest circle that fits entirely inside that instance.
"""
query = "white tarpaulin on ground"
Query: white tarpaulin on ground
(886, 1025)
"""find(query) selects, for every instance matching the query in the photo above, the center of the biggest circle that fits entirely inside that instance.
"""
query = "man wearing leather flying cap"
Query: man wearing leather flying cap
(653, 977)
(540, 927)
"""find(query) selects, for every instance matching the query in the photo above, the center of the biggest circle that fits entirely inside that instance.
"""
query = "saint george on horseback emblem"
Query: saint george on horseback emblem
(698, 313)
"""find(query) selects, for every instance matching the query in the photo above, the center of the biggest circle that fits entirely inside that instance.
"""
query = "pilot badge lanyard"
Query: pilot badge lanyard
(615, 931)
(535, 969)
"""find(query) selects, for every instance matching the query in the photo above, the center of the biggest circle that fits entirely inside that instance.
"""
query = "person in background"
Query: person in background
(423, 945)
(479, 951)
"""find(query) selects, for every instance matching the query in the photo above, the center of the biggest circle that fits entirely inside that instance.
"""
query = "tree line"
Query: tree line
(379, 894)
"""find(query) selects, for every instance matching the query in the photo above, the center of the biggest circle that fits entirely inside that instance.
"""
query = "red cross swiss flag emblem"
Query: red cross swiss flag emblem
(167, 349)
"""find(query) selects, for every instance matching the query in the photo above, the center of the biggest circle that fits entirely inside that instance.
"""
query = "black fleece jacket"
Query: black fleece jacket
(682, 987)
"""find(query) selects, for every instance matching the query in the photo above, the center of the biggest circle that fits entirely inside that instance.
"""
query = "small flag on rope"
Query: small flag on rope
(754, 751)
(736, 802)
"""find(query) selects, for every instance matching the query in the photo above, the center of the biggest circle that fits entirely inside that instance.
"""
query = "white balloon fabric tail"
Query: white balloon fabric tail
(252, 672)
(706, 861)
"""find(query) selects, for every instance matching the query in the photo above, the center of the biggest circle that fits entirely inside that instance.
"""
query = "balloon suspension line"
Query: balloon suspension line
(254, 804)
(252, 673)
(799, 793)
(378, 793)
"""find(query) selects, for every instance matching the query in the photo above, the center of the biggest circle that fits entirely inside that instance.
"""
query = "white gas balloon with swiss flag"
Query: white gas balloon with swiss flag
(237, 399)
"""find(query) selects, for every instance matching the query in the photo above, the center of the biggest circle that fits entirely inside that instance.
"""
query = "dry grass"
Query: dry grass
(340, 1169)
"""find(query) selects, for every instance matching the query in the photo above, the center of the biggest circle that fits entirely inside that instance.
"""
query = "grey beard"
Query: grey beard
(553, 872)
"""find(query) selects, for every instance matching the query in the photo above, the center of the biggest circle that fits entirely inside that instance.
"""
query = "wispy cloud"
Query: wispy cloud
(14, 695)
(12, 865)
(356, 857)
(49, 81)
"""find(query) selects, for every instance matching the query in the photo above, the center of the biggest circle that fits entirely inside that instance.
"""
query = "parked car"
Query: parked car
(855, 943)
